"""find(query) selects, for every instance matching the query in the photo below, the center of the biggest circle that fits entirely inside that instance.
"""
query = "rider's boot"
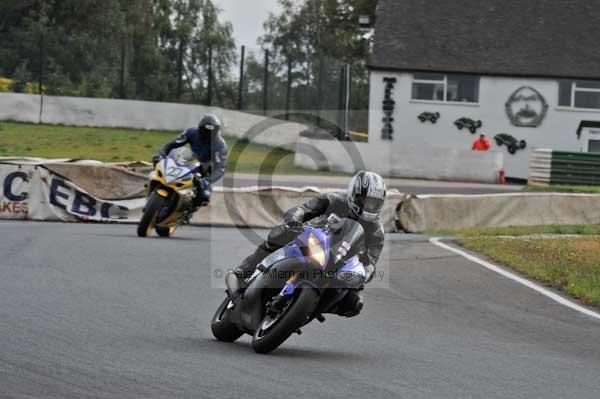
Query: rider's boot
(350, 305)
(202, 193)
(196, 203)
(246, 269)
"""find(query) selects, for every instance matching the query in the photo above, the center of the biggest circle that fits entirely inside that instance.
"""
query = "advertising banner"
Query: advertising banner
(31, 192)
(46, 191)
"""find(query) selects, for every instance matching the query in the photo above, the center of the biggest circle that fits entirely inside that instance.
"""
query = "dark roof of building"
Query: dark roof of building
(545, 38)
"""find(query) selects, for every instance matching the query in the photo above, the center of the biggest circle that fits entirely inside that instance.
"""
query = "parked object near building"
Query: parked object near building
(501, 71)
(429, 116)
(511, 143)
(469, 124)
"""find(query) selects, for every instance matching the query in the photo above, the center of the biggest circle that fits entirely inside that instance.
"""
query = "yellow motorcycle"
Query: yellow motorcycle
(170, 194)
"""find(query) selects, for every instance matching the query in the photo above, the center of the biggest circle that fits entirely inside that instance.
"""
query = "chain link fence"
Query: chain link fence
(316, 90)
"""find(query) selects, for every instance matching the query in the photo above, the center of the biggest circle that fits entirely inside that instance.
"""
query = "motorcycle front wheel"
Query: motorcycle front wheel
(223, 329)
(165, 231)
(153, 207)
(273, 331)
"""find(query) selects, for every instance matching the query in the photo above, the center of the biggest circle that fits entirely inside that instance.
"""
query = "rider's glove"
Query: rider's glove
(205, 183)
(156, 159)
(369, 273)
(293, 224)
(205, 169)
(202, 183)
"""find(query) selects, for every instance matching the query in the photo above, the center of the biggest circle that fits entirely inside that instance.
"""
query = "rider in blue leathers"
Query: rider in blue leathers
(210, 149)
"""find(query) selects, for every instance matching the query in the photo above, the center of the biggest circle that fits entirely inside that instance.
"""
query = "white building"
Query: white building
(528, 69)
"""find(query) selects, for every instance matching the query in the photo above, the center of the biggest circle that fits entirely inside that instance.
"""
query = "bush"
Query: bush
(5, 84)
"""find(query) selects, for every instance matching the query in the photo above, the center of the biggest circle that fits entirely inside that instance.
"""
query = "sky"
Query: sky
(247, 17)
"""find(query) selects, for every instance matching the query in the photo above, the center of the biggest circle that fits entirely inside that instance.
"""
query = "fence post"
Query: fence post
(266, 84)
(341, 97)
(41, 71)
(344, 101)
(347, 101)
(241, 88)
(210, 88)
(122, 80)
(288, 94)
(41, 75)
(320, 91)
(180, 69)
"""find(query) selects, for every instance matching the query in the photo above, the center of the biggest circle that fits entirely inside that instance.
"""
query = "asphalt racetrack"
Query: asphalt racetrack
(92, 311)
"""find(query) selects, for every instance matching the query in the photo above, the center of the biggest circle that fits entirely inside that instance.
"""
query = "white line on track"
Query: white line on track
(555, 297)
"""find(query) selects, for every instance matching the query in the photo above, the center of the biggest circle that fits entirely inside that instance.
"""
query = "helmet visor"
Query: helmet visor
(373, 205)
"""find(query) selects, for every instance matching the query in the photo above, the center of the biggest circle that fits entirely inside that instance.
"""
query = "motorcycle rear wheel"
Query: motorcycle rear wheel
(223, 329)
(153, 207)
(295, 316)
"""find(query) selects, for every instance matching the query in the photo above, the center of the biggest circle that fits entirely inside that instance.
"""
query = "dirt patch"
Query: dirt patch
(587, 245)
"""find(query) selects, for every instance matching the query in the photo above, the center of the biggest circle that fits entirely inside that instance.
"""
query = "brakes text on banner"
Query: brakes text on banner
(33, 192)
(13, 202)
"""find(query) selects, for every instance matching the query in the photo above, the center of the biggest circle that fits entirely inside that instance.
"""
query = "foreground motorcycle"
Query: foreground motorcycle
(294, 285)
(170, 193)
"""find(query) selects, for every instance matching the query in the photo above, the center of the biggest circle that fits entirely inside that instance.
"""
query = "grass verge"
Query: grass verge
(124, 145)
(519, 231)
(563, 188)
(568, 264)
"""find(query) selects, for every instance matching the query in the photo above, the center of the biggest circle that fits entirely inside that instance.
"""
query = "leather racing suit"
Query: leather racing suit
(210, 151)
(318, 209)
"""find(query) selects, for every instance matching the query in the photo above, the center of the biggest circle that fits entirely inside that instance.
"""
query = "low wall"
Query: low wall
(20, 107)
(422, 162)
(423, 213)
(79, 111)
(67, 191)
(70, 192)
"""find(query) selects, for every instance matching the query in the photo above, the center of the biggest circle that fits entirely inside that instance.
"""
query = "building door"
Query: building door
(594, 146)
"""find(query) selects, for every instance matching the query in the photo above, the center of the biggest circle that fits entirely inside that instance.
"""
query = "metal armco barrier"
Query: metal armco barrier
(560, 167)
(575, 168)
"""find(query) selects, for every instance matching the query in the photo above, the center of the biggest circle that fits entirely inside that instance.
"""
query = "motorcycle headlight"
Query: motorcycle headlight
(315, 250)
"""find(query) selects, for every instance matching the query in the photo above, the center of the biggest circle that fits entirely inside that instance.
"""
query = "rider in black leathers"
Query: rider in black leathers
(362, 202)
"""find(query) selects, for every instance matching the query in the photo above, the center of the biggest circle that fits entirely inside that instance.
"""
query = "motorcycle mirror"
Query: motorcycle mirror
(333, 219)
(335, 222)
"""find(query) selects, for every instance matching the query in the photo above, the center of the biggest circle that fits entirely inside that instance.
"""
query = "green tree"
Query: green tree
(319, 37)
(142, 49)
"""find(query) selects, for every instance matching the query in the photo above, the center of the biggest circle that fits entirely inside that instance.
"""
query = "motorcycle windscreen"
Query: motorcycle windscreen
(182, 156)
(348, 240)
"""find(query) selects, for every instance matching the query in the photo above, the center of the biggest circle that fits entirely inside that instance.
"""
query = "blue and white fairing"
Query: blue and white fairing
(179, 165)
(335, 251)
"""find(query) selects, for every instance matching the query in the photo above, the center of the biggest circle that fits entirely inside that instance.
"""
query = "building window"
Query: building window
(579, 94)
(448, 88)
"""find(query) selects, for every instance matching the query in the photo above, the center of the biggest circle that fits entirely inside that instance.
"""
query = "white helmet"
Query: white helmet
(366, 195)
